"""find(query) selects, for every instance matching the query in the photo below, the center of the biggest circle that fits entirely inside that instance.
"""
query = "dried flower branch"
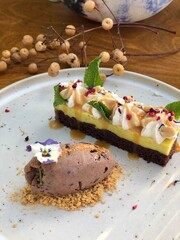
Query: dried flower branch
(53, 49)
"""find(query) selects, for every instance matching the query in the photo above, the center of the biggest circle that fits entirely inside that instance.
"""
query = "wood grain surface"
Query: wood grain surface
(18, 18)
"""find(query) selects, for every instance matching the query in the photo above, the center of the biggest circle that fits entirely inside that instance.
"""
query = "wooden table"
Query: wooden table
(21, 17)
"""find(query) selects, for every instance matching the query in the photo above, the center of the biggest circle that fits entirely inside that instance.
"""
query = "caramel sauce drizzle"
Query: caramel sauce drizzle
(177, 148)
(102, 144)
(55, 124)
(77, 135)
(133, 156)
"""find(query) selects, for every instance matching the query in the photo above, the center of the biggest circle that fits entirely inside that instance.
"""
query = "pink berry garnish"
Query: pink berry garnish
(157, 110)
(166, 111)
(7, 110)
(152, 114)
(172, 113)
(128, 116)
(92, 90)
(61, 87)
(74, 85)
(134, 207)
(78, 81)
(125, 98)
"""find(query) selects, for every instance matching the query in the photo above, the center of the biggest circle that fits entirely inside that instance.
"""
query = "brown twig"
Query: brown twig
(110, 11)
(99, 12)
(120, 39)
(84, 47)
(125, 25)
(147, 26)
(112, 39)
(59, 36)
(162, 54)
(118, 26)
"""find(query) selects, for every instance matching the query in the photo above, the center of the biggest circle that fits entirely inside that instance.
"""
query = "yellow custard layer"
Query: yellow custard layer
(132, 135)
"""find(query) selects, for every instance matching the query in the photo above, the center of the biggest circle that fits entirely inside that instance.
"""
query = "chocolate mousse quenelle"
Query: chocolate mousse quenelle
(60, 169)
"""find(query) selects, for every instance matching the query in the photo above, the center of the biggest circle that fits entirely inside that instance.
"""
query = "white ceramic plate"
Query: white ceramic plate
(157, 215)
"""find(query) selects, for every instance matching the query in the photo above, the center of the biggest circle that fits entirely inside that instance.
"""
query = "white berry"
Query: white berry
(7, 60)
(71, 58)
(24, 53)
(89, 6)
(27, 40)
(16, 58)
(32, 52)
(103, 77)
(105, 57)
(75, 64)
(107, 23)
(6, 54)
(40, 46)
(82, 45)
(118, 69)
(54, 44)
(32, 68)
(117, 55)
(53, 70)
(14, 50)
(70, 30)
(65, 45)
(41, 37)
(3, 66)
(63, 57)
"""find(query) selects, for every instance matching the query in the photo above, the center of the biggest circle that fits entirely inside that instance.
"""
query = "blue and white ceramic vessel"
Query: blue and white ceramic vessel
(126, 11)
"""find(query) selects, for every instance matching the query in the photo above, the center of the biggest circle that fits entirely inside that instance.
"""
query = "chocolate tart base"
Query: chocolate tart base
(102, 134)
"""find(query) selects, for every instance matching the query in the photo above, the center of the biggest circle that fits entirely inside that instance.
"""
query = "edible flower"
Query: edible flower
(45, 152)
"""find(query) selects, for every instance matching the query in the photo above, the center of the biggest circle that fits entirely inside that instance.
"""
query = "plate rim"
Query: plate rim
(22, 83)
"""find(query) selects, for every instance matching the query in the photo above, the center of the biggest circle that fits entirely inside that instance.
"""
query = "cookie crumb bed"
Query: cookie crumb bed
(70, 202)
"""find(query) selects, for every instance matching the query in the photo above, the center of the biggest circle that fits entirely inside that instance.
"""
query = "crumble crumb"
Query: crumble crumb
(70, 202)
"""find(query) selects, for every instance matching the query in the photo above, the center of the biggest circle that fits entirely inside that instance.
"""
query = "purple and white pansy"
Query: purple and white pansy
(46, 152)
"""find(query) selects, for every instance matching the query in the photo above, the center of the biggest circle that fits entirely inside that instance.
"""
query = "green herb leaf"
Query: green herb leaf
(103, 109)
(58, 99)
(92, 77)
(40, 177)
(174, 107)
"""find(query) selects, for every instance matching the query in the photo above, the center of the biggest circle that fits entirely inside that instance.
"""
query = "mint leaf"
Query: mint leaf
(92, 77)
(58, 99)
(103, 109)
(174, 107)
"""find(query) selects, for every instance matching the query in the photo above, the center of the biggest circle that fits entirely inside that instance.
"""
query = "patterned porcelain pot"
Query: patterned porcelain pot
(124, 10)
